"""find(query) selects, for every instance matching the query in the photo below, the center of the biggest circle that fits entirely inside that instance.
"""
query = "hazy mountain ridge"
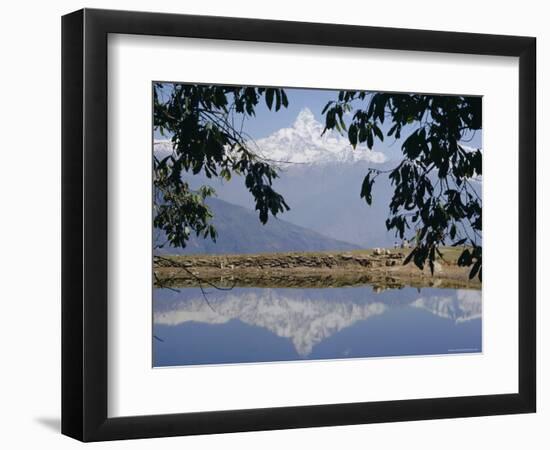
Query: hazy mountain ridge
(320, 179)
(323, 198)
(240, 231)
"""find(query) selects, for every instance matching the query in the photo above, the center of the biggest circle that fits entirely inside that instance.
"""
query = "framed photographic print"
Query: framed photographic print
(274, 224)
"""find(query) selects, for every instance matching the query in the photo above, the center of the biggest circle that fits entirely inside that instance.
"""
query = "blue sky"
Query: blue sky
(267, 122)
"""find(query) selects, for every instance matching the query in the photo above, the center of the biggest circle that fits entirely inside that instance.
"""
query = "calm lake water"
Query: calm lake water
(279, 324)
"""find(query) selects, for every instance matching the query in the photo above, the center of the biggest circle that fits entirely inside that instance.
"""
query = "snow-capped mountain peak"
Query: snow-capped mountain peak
(303, 143)
(305, 123)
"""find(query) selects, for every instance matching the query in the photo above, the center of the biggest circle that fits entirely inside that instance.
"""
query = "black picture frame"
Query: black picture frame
(84, 224)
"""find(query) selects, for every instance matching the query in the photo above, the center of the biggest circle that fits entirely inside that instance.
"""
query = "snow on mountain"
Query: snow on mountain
(303, 144)
(162, 147)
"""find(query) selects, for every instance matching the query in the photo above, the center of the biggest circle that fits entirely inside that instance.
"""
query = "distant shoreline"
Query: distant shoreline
(382, 268)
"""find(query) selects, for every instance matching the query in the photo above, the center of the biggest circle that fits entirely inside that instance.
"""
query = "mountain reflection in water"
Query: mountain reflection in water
(282, 324)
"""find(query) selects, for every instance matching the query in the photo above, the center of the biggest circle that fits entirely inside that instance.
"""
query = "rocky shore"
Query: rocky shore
(327, 269)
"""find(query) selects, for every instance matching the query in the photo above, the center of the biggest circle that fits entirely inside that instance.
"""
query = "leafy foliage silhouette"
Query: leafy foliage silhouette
(434, 202)
(202, 122)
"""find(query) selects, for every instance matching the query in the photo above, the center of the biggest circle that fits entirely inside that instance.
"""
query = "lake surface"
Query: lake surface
(281, 324)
